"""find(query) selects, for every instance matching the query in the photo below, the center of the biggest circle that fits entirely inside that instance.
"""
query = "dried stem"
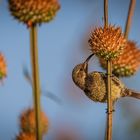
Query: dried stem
(106, 13)
(36, 83)
(129, 17)
(105, 136)
(109, 74)
(109, 103)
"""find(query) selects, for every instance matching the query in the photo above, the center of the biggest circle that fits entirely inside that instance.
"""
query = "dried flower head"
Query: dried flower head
(3, 67)
(107, 42)
(27, 121)
(66, 133)
(128, 63)
(34, 11)
(26, 136)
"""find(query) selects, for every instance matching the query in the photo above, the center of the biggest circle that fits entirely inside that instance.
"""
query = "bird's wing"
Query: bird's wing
(118, 82)
(115, 80)
(95, 78)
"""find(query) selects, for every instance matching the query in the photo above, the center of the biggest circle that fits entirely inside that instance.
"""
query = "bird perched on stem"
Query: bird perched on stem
(94, 84)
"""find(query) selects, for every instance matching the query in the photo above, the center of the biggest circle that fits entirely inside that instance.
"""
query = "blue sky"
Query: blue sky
(62, 44)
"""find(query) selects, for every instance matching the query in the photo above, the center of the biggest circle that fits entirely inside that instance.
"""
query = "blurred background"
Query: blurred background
(63, 43)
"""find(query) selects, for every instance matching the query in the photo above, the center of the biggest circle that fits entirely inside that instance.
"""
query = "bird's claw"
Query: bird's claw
(110, 112)
(112, 75)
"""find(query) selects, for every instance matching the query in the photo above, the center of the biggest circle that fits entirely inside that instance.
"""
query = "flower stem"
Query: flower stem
(109, 101)
(36, 82)
(106, 13)
(109, 74)
(129, 17)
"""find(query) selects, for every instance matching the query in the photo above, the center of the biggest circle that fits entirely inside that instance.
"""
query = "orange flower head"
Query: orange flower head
(3, 67)
(26, 136)
(34, 11)
(107, 42)
(27, 121)
(128, 63)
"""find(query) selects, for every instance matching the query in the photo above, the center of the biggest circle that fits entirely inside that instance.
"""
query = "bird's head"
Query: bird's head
(80, 72)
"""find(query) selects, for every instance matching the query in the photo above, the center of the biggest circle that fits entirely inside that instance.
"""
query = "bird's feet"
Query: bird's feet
(110, 112)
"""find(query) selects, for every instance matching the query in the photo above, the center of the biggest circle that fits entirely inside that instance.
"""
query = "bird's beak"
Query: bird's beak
(86, 62)
(85, 66)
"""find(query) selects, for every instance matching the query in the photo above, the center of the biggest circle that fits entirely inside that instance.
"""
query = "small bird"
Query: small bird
(94, 84)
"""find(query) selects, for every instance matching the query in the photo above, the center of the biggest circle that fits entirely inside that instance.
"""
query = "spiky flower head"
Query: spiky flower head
(3, 67)
(26, 136)
(107, 42)
(34, 11)
(27, 121)
(128, 63)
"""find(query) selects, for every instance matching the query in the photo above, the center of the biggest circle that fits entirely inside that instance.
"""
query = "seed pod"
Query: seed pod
(34, 11)
(107, 42)
(27, 121)
(3, 67)
(128, 63)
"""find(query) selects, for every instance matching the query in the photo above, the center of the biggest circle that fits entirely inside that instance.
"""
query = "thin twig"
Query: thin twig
(36, 82)
(105, 135)
(109, 104)
(106, 13)
(129, 17)
(109, 74)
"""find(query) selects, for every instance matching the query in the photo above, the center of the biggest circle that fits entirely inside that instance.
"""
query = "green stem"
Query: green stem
(36, 82)
(129, 17)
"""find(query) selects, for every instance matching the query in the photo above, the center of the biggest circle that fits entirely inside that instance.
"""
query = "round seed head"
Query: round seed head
(26, 136)
(34, 11)
(27, 121)
(3, 67)
(128, 63)
(107, 42)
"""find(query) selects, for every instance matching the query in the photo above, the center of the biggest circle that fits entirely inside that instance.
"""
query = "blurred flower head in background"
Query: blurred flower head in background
(66, 133)
(27, 121)
(34, 11)
(3, 67)
(26, 136)
(128, 63)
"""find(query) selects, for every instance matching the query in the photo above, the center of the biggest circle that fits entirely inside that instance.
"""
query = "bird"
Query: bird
(94, 84)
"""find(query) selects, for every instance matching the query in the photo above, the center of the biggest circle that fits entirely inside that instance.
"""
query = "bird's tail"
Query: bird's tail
(132, 93)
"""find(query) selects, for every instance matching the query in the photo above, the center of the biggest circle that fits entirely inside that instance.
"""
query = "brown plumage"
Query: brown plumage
(94, 84)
